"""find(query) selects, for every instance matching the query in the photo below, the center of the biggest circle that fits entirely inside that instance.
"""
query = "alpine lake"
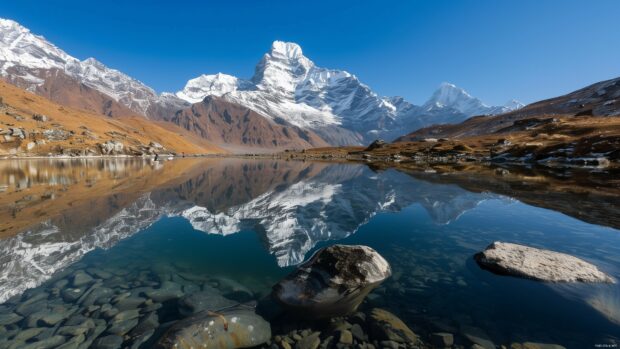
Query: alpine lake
(142, 235)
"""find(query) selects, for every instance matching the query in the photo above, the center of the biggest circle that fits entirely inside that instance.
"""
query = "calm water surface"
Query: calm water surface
(241, 225)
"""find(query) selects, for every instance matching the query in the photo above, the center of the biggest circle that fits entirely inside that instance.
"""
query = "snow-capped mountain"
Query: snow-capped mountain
(288, 85)
(449, 104)
(448, 96)
(24, 57)
(211, 85)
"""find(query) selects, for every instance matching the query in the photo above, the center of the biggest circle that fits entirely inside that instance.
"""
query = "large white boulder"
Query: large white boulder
(111, 148)
(538, 264)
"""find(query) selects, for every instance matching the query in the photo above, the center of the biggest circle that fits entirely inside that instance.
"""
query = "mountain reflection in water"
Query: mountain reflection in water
(293, 205)
(427, 224)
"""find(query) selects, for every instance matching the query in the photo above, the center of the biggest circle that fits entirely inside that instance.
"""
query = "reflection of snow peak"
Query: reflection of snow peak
(291, 220)
(280, 216)
(30, 258)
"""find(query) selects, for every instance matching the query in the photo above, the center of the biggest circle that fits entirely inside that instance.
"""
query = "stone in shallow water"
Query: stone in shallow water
(538, 264)
(234, 290)
(48, 343)
(73, 343)
(108, 342)
(478, 337)
(167, 291)
(147, 324)
(234, 328)
(71, 295)
(203, 300)
(129, 303)
(9, 318)
(26, 309)
(387, 326)
(311, 341)
(80, 278)
(333, 282)
(122, 327)
(127, 315)
(25, 335)
(442, 339)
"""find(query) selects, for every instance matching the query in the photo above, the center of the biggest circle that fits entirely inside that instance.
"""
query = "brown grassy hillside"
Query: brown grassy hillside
(241, 129)
(67, 130)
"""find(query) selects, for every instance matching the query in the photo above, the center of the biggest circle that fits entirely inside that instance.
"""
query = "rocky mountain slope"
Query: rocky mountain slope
(579, 129)
(241, 129)
(33, 125)
(26, 59)
(286, 86)
(599, 99)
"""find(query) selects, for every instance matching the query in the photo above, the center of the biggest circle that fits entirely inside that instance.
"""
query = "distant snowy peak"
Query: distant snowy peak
(513, 104)
(211, 85)
(449, 96)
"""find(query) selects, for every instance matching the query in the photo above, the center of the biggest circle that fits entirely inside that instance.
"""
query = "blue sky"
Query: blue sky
(496, 50)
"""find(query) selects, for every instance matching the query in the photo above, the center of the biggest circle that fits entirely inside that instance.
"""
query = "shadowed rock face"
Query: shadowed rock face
(333, 282)
(538, 264)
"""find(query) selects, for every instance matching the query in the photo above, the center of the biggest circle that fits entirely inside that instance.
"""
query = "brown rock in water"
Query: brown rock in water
(387, 326)
(333, 282)
(234, 328)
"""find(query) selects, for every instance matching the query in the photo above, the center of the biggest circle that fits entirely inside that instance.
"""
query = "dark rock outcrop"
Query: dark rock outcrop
(333, 282)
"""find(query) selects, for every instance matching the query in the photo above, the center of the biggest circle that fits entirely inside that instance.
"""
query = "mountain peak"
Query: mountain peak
(448, 90)
(211, 85)
(288, 50)
(513, 104)
(11, 26)
(93, 62)
(448, 95)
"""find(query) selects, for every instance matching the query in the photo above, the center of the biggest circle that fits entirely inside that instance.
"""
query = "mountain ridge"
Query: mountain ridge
(286, 85)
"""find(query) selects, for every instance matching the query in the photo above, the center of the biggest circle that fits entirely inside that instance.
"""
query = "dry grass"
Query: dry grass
(87, 128)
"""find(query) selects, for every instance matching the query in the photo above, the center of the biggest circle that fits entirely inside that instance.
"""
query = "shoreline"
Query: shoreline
(362, 157)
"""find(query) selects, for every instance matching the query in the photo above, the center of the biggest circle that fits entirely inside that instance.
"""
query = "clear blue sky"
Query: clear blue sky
(497, 50)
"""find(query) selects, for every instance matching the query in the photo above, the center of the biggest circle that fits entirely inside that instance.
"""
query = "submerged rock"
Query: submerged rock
(203, 300)
(542, 265)
(168, 290)
(9, 318)
(333, 282)
(234, 328)
(387, 326)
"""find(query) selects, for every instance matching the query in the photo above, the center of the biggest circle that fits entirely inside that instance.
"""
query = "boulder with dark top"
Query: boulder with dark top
(333, 282)
(377, 144)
